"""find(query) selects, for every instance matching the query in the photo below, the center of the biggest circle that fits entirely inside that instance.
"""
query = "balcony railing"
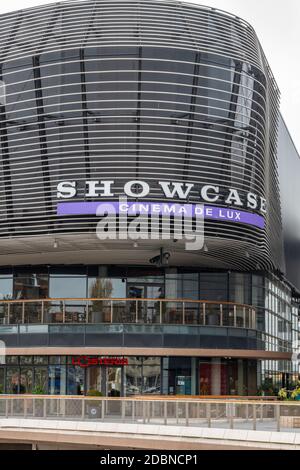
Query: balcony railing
(127, 310)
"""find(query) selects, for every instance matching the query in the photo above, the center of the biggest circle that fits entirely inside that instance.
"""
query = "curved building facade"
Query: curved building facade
(164, 103)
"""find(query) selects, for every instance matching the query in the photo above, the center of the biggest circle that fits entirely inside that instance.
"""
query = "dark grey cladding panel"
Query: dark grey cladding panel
(181, 341)
(57, 339)
(10, 340)
(191, 337)
(33, 340)
(208, 341)
(143, 341)
(107, 339)
(137, 90)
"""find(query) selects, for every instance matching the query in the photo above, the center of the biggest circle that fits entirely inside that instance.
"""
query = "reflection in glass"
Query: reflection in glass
(57, 380)
(133, 380)
(40, 380)
(75, 382)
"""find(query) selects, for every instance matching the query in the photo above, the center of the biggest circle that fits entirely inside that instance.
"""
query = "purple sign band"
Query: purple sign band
(160, 208)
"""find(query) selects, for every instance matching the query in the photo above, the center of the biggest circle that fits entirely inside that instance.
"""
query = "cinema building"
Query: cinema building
(172, 107)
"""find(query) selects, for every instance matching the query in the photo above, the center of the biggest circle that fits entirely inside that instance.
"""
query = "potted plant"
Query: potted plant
(283, 394)
(295, 395)
(38, 390)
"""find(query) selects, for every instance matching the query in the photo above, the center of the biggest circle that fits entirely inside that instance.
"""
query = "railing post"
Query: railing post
(136, 312)
(244, 317)
(87, 311)
(144, 412)
(42, 312)
(23, 312)
(231, 414)
(82, 408)
(208, 414)
(221, 315)
(183, 313)
(8, 313)
(277, 407)
(254, 417)
(165, 412)
(234, 315)
(111, 311)
(148, 411)
(102, 409)
(64, 311)
(6, 408)
(160, 312)
(123, 410)
(204, 314)
(253, 319)
(187, 413)
(45, 408)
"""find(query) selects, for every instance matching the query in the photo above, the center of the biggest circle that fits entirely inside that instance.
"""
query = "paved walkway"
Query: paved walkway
(95, 434)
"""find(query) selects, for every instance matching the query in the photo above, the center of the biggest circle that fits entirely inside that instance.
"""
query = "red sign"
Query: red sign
(87, 361)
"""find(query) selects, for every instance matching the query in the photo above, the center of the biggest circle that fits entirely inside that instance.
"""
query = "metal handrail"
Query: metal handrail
(232, 414)
(127, 310)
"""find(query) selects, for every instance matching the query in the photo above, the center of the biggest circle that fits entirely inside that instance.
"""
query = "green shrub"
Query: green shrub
(94, 393)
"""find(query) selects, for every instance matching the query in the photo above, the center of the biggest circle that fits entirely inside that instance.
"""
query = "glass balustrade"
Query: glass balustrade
(127, 310)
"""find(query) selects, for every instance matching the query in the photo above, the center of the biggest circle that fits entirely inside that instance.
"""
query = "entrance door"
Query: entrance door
(107, 380)
(147, 311)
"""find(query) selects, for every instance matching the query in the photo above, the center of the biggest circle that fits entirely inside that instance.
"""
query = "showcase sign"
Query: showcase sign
(88, 361)
(170, 190)
(138, 189)
(130, 209)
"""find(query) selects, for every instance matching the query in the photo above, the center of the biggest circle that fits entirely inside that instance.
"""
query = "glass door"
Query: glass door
(147, 311)
(136, 310)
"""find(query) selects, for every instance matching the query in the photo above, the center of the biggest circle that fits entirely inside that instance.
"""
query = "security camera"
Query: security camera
(162, 259)
(155, 259)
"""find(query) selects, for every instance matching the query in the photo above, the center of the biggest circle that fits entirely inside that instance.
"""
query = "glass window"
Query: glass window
(71, 287)
(106, 287)
(2, 384)
(26, 379)
(40, 380)
(151, 379)
(30, 286)
(12, 380)
(6, 287)
(57, 380)
(25, 360)
(57, 360)
(12, 360)
(133, 380)
(43, 360)
(75, 380)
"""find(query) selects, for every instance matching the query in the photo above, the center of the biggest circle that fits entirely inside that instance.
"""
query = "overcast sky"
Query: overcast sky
(277, 25)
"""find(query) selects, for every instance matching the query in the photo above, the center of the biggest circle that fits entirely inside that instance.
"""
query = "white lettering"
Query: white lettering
(177, 189)
(233, 198)
(144, 192)
(251, 201)
(208, 197)
(66, 189)
(96, 188)
(263, 205)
